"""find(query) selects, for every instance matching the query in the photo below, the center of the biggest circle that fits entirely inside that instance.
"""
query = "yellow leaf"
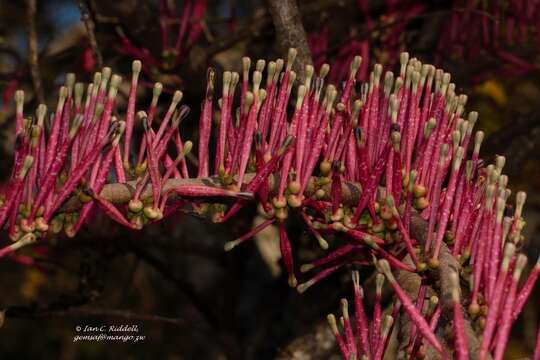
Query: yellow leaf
(494, 90)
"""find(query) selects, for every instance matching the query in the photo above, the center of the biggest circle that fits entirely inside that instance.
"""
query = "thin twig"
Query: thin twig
(33, 49)
(290, 32)
(90, 26)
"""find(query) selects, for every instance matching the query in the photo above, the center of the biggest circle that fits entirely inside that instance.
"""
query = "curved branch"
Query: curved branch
(290, 31)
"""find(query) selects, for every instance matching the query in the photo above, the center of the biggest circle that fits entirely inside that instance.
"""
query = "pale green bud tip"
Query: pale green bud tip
(454, 286)
(106, 73)
(345, 308)
(79, 90)
(188, 145)
(235, 79)
(28, 161)
(292, 78)
(322, 242)
(229, 245)
(249, 98)
(387, 323)
(500, 162)
(404, 58)
(227, 77)
(97, 78)
(520, 265)
(279, 66)
(473, 117)
(62, 94)
(356, 278)
(291, 56)
(136, 67)
(395, 137)
(246, 64)
(261, 95)
(332, 322)
(158, 88)
(379, 282)
(385, 268)
(301, 92)
(257, 78)
(70, 79)
(501, 203)
(141, 114)
(259, 66)
(115, 81)
(509, 251)
(521, 197)
(41, 111)
(292, 281)
(271, 71)
(323, 72)
(177, 97)
(357, 105)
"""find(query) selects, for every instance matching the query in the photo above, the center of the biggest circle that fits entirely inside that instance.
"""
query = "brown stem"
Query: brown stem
(33, 49)
(448, 264)
(290, 31)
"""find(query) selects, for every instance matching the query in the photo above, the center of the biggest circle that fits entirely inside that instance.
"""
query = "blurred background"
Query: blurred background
(189, 298)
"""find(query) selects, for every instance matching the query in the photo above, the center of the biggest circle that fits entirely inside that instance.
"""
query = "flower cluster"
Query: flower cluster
(365, 163)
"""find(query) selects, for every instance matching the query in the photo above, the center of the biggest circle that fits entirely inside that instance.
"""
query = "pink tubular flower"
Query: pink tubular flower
(363, 175)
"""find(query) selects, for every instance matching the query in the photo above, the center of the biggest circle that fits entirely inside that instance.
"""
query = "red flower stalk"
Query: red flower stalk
(153, 166)
(55, 129)
(13, 191)
(286, 254)
(434, 204)
(506, 316)
(80, 171)
(282, 100)
(173, 166)
(273, 69)
(349, 337)
(130, 111)
(229, 245)
(526, 290)
(318, 142)
(261, 176)
(27, 239)
(409, 307)
(494, 306)
(55, 168)
(404, 233)
(536, 355)
(362, 328)
(322, 242)
(461, 341)
(205, 124)
(341, 344)
(448, 199)
(301, 288)
(376, 335)
(252, 100)
(330, 258)
(387, 325)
